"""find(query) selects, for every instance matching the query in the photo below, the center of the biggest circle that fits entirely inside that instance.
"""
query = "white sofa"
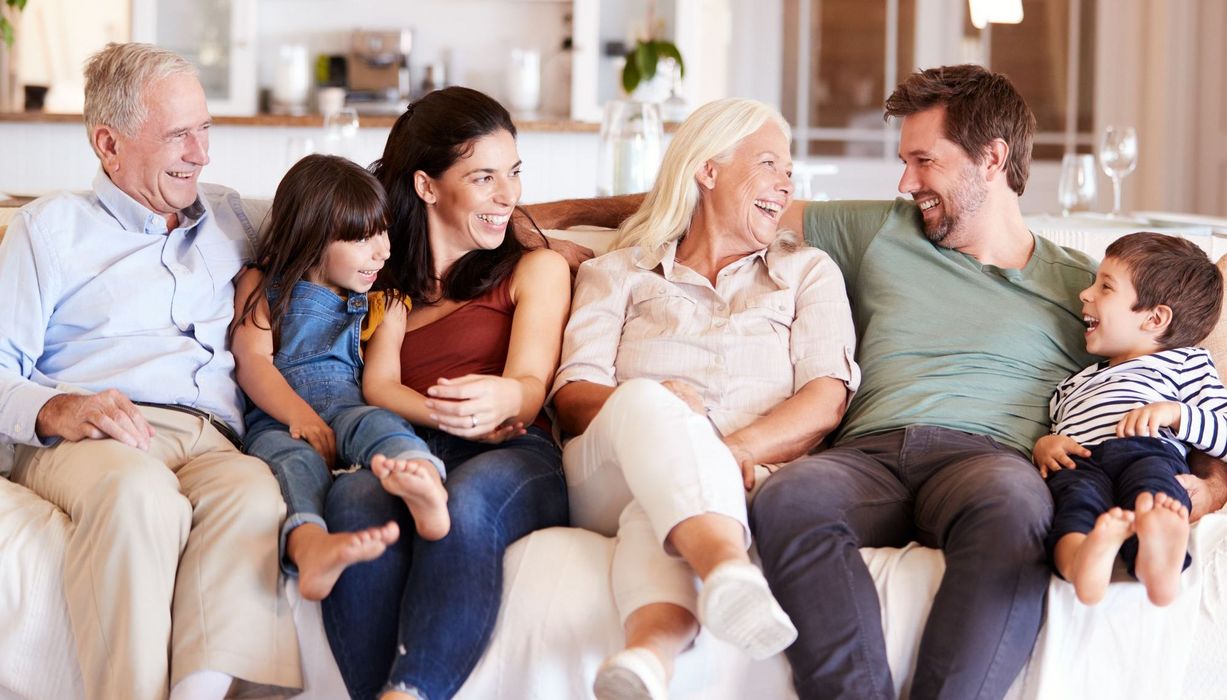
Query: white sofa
(558, 621)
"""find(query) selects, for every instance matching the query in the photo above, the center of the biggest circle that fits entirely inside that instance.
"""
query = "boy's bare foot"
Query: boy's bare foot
(1162, 526)
(1093, 562)
(322, 556)
(418, 483)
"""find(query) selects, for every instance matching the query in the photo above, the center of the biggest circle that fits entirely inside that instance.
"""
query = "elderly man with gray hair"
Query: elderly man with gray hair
(117, 385)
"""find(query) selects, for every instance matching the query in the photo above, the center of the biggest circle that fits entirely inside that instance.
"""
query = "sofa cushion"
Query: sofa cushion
(36, 642)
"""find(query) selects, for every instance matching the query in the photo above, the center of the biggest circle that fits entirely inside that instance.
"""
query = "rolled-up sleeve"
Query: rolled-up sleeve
(598, 312)
(823, 339)
(27, 284)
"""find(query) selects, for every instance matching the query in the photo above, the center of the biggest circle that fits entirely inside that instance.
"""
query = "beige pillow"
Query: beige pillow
(1216, 342)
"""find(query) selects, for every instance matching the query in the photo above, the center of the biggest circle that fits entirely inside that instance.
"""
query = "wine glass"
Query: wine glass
(1118, 156)
(1076, 190)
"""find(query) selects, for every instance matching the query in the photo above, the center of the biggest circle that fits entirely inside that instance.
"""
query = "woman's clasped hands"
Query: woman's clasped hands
(478, 407)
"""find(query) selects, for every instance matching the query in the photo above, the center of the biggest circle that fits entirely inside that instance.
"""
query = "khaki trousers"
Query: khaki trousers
(172, 561)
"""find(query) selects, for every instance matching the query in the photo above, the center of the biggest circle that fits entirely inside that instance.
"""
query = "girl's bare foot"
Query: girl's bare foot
(1163, 539)
(322, 556)
(1092, 568)
(418, 483)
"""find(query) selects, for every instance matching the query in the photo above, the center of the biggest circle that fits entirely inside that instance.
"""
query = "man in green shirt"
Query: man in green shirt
(966, 322)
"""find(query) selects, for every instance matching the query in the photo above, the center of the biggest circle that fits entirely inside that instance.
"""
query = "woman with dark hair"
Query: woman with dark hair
(467, 358)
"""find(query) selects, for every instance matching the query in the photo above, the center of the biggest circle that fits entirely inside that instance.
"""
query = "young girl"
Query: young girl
(299, 315)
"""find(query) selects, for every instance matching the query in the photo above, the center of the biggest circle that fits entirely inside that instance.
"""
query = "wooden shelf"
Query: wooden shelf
(308, 121)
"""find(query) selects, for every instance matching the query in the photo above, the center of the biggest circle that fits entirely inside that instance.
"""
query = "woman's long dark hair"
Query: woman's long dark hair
(433, 133)
(320, 200)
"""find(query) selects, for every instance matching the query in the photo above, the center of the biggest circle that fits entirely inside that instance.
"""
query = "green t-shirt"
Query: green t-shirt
(943, 340)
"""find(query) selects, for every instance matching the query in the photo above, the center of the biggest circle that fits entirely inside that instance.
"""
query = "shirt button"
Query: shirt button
(719, 323)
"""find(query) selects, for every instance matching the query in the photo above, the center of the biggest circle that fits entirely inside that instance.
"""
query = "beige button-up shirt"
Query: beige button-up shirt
(775, 320)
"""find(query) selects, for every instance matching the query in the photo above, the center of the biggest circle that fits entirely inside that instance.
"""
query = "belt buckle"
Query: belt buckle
(224, 428)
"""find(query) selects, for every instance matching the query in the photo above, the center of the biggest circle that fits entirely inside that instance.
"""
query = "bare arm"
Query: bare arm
(577, 404)
(260, 379)
(608, 212)
(541, 291)
(795, 426)
(1207, 484)
(381, 373)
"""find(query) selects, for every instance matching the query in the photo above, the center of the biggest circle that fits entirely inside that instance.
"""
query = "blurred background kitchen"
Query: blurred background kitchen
(271, 67)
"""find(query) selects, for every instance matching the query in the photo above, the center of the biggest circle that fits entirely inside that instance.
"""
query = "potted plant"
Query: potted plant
(6, 27)
(642, 61)
(645, 56)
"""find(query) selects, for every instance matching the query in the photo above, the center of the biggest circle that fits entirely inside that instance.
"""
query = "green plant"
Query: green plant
(641, 61)
(6, 28)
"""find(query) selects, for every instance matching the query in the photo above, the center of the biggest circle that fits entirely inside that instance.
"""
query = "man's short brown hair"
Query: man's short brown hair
(1172, 271)
(980, 106)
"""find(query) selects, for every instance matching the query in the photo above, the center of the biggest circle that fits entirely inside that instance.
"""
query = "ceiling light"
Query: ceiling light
(995, 11)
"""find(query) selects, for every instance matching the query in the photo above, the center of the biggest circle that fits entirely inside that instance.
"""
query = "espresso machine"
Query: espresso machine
(377, 71)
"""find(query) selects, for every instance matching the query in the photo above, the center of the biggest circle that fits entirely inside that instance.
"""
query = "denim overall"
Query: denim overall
(318, 356)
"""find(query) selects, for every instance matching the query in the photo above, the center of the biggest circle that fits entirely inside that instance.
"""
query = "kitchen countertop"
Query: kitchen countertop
(309, 121)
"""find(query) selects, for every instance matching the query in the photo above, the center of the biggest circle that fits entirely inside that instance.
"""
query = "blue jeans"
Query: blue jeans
(1114, 475)
(420, 616)
(361, 433)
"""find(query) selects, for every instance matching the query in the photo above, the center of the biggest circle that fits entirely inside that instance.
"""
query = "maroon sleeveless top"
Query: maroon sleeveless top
(473, 339)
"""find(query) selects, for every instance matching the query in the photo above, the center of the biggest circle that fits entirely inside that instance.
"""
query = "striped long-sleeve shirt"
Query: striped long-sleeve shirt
(1088, 405)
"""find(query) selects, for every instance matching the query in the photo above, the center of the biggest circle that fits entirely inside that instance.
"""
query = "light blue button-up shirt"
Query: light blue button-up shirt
(96, 294)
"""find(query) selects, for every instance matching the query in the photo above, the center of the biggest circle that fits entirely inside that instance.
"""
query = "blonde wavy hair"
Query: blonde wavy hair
(712, 133)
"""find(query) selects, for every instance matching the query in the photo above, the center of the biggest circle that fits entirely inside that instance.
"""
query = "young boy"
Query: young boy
(1120, 428)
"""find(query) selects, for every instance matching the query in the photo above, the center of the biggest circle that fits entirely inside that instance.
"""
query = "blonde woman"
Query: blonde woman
(707, 346)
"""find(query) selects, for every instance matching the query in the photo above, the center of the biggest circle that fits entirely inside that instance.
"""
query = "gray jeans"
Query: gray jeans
(983, 504)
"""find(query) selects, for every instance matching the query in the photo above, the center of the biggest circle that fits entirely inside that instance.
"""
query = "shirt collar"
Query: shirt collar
(134, 216)
(666, 257)
(663, 256)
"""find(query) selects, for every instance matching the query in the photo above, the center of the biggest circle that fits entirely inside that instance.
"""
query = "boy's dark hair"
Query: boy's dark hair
(980, 106)
(1172, 271)
(321, 199)
(434, 133)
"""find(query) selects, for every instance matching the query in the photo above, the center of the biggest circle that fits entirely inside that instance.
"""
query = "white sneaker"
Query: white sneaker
(736, 605)
(631, 674)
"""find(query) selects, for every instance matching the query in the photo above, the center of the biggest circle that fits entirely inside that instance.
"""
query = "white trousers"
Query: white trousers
(646, 463)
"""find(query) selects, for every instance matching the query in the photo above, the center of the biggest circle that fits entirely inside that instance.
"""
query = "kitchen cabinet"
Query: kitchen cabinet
(217, 36)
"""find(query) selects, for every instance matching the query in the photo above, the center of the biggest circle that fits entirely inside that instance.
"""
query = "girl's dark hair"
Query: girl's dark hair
(320, 200)
(433, 133)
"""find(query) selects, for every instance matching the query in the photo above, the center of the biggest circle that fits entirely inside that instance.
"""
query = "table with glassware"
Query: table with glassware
(1117, 155)
(1092, 233)
(1078, 227)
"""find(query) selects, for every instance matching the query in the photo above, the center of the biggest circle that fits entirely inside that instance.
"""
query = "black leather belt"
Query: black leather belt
(222, 426)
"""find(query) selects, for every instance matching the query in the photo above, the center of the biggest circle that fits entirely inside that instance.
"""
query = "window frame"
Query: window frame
(939, 47)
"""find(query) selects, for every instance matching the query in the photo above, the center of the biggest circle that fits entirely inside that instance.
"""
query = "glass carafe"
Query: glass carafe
(631, 147)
